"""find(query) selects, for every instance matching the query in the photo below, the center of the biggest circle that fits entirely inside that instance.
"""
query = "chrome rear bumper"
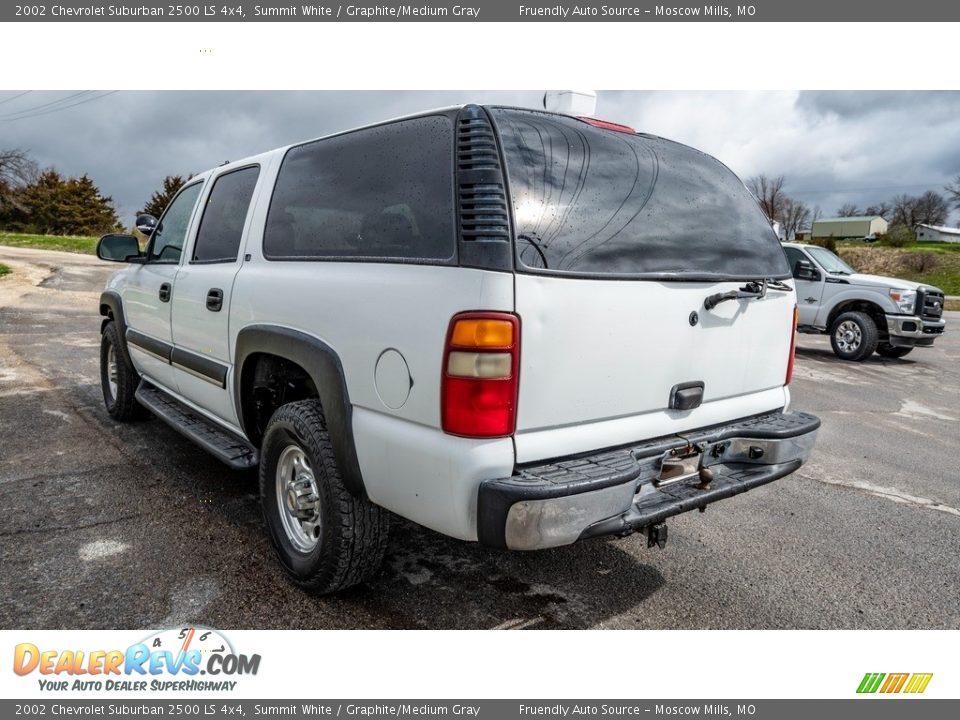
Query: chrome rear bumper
(627, 489)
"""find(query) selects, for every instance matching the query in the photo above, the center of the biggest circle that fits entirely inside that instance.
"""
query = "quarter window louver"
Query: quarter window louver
(483, 202)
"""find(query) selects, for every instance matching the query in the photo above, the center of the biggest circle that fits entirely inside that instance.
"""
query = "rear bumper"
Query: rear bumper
(616, 492)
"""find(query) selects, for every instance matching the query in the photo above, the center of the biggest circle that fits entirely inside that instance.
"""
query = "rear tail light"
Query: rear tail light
(481, 365)
(793, 346)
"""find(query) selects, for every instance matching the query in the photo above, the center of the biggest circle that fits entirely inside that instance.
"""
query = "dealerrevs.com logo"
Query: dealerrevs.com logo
(169, 660)
(911, 683)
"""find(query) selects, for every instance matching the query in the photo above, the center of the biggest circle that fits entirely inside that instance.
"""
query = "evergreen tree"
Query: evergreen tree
(161, 198)
(85, 211)
(54, 205)
(40, 201)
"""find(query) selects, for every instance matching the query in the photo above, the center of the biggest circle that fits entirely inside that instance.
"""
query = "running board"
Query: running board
(222, 444)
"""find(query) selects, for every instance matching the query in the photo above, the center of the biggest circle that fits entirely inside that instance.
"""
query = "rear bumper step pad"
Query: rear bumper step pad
(615, 491)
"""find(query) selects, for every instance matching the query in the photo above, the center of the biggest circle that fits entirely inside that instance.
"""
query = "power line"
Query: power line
(45, 105)
(19, 95)
(59, 107)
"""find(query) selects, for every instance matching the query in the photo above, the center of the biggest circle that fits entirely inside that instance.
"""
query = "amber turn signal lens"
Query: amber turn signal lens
(482, 333)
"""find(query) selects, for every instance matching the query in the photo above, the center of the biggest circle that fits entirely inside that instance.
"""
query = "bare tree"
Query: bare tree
(931, 209)
(17, 168)
(793, 216)
(816, 214)
(882, 209)
(849, 210)
(953, 192)
(901, 212)
(769, 193)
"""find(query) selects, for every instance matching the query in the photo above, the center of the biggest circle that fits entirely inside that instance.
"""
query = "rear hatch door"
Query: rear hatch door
(620, 238)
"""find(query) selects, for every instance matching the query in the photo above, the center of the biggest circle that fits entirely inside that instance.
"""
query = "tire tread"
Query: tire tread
(363, 528)
(125, 406)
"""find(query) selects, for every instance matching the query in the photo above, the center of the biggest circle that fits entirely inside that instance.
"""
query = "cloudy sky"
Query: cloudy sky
(833, 147)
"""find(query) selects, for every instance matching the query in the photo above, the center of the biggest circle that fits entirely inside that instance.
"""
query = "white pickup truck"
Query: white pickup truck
(862, 313)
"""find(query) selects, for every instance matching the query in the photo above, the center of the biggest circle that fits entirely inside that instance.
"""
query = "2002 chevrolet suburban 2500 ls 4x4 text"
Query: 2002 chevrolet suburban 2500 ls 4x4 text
(511, 326)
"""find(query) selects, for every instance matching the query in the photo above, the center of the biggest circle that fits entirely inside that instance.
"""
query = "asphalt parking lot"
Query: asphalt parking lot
(131, 526)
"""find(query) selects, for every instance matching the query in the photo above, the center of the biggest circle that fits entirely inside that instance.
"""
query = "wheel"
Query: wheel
(118, 378)
(889, 351)
(853, 336)
(326, 538)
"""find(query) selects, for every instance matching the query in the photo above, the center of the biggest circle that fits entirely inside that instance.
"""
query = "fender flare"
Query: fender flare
(323, 365)
(111, 308)
(854, 295)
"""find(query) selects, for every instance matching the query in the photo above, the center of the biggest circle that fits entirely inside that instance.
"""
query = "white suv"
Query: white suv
(509, 326)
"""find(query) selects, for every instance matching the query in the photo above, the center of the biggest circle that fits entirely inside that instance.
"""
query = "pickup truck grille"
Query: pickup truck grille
(930, 304)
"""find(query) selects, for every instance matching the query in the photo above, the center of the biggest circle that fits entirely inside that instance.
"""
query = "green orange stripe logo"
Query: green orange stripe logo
(913, 683)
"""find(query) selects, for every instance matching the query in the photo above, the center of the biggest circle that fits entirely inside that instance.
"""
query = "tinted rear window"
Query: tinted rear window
(589, 201)
(381, 193)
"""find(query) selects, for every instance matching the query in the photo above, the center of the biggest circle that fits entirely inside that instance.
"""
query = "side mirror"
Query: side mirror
(118, 248)
(146, 224)
(804, 270)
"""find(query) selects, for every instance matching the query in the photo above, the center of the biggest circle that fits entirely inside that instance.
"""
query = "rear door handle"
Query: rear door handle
(214, 299)
(165, 292)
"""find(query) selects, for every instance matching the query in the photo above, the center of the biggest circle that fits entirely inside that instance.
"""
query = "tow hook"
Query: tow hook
(657, 535)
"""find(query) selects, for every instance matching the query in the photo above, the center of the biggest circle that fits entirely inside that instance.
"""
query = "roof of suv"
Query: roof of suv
(410, 116)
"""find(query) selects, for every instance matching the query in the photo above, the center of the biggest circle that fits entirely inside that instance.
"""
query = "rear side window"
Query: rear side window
(589, 201)
(381, 193)
(224, 216)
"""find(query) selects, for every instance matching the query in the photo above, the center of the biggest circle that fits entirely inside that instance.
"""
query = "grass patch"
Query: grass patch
(4, 270)
(935, 247)
(66, 243)
(931, 263)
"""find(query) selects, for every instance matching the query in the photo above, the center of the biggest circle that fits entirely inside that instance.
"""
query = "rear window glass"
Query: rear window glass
(381, 193)
(589, 201)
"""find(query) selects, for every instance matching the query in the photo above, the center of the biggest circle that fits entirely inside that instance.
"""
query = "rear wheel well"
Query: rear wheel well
(865, 306)
(268, 382)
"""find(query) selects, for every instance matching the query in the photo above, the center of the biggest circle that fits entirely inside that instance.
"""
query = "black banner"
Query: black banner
(854, 11)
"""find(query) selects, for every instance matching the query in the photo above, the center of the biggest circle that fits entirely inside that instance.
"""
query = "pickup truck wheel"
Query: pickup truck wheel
(325, 538)
(853, 336)
(118, 378)
(889, 351)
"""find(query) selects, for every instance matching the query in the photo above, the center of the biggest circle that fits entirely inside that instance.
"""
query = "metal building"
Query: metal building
(862, 226)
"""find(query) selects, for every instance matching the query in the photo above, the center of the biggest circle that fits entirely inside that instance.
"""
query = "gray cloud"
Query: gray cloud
(834, 147)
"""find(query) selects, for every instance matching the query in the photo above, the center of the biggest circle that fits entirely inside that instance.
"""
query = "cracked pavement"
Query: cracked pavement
(131, 526)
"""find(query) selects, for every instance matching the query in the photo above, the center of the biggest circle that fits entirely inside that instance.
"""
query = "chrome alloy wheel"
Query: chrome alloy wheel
(848, 336)
(112, 371)
(298, 501)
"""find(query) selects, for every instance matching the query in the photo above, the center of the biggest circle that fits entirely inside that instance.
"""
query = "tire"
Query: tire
(889, 351)
(118, 378)
(325, 538)
(853, 336)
